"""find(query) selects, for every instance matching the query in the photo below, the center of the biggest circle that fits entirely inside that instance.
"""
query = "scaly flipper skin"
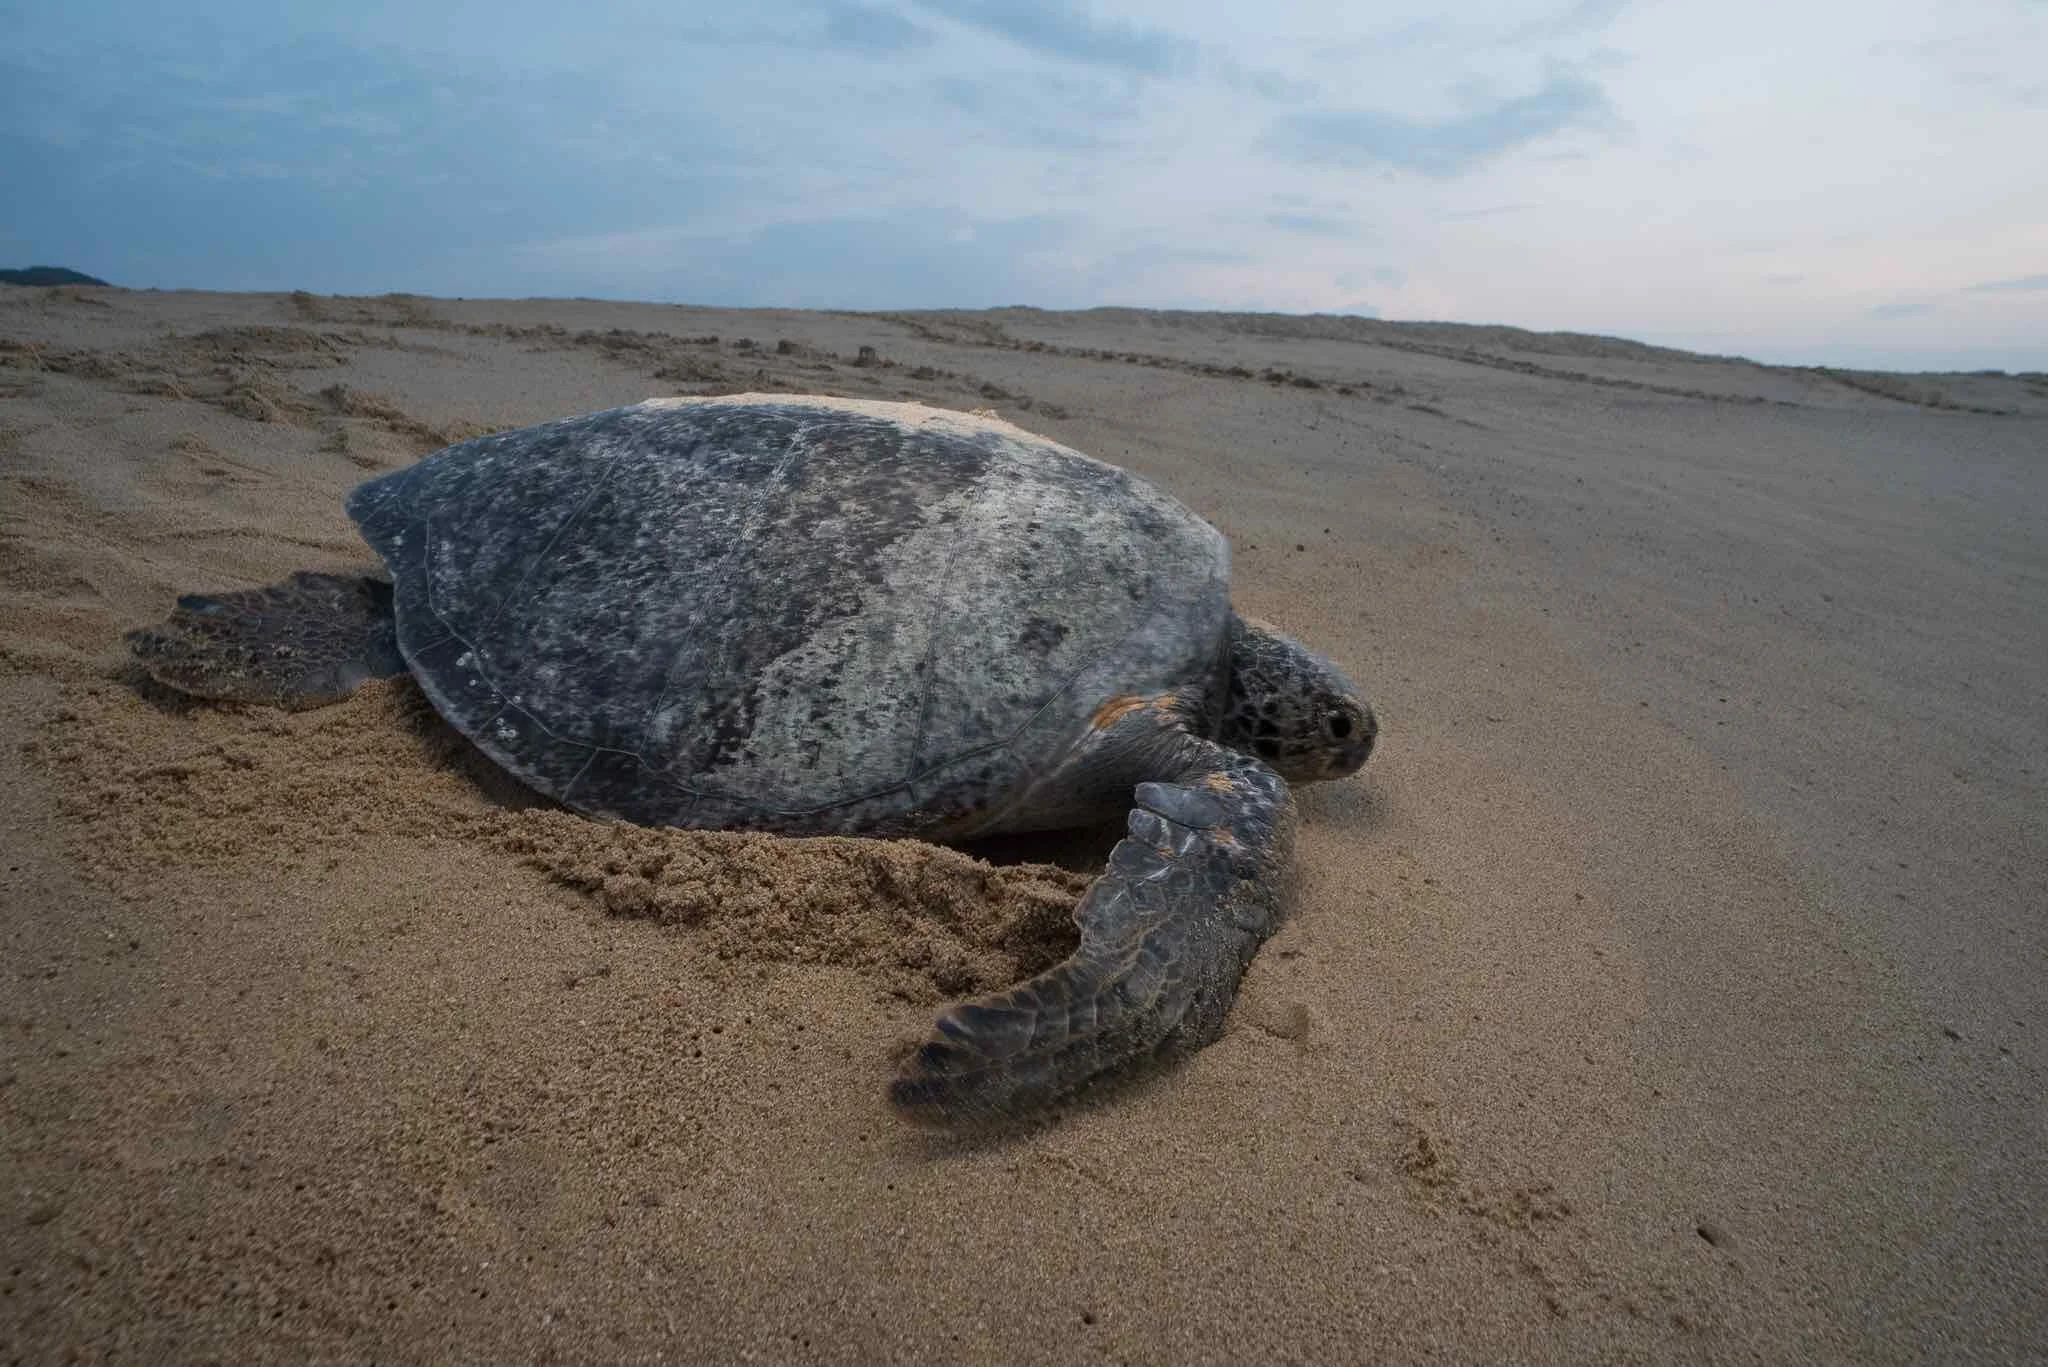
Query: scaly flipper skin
(1166, 934)
(306, 642)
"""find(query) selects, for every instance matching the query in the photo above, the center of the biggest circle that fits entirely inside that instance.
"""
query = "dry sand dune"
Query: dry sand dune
(1669, 987)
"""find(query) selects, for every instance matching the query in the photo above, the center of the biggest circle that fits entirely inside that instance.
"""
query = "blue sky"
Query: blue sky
(1849, 183)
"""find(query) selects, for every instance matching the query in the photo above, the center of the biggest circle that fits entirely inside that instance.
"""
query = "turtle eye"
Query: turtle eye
(1340, 725)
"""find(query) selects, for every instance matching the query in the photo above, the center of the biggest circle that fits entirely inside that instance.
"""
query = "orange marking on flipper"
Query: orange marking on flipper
(1219, 783)
(1117, 708)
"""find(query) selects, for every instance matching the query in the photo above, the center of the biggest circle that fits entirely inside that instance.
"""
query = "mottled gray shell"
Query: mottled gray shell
(790, 613)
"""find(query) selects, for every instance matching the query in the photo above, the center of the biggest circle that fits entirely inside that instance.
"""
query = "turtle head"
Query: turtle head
(1292, 708)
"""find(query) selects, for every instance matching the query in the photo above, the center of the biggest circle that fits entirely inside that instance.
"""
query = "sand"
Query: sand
(1669, 986)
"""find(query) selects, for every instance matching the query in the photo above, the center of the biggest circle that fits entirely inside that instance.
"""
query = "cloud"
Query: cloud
(2013, 286)
(1379, 275)
(1068, 115)
(1316, 225)
(1902, 310)
(1485, 211)
(1440, 147)
(1260, 82)
(863, 27)
(1152, 255)
(1587, 16)
(1056, 29)
(915, 258)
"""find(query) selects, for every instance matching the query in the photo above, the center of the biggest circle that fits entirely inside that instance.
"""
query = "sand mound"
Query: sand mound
(157, 784)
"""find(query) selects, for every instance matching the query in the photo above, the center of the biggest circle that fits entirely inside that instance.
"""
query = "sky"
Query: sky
(1859, 183)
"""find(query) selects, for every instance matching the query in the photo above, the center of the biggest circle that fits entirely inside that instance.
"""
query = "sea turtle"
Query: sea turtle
(821, 615)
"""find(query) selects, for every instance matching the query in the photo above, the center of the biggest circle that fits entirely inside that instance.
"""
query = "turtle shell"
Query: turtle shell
(789, 613)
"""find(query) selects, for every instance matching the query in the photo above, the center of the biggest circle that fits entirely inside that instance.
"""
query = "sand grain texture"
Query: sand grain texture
(1668, 988)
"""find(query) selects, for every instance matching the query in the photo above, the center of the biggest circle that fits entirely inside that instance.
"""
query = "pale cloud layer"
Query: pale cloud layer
(1843, 183)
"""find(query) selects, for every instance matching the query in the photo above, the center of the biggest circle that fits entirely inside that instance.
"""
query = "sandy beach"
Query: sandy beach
(1669, 987)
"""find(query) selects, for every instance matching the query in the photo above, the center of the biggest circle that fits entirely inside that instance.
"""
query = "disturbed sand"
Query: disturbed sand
(1670, 985)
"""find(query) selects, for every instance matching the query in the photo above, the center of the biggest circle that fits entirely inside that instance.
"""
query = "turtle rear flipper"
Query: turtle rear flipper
(1166, 934)
(308, 641)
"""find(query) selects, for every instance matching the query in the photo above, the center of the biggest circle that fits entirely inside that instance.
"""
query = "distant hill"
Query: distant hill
(48, 275)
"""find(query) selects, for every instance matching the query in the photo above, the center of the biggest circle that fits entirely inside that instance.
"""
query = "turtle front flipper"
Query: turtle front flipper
(308, 641)
(1167, 932)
